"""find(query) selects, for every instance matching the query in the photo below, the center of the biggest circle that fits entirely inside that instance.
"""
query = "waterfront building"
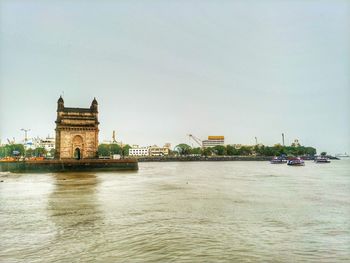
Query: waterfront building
(158, 151)
(76, 131)
(150, 150)
(139, 151)
(213, 141)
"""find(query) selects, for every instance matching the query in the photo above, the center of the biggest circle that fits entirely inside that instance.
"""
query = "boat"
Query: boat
(296, 162)
(322, 159)
(278, 160)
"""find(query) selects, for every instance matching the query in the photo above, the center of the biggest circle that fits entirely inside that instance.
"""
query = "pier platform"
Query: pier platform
(70, 165)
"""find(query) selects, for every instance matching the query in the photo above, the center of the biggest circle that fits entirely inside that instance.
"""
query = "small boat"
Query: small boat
(278, 160)
(322, 159)
(296, 162)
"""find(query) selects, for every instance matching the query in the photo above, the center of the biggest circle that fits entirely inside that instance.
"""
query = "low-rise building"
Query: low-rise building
(48, 143)
(158, 151)
(139, 151)
(150, 150)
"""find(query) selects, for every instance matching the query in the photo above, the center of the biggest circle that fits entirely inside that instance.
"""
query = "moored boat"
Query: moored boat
(322, 159)
(278, 160)
(296, 162)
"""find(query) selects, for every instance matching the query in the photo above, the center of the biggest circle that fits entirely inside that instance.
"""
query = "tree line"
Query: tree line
(13, 150)
(110, 149)
(260, 150)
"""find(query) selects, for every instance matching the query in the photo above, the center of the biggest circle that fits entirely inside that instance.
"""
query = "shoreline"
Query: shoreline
(203, 159)
(211, 159)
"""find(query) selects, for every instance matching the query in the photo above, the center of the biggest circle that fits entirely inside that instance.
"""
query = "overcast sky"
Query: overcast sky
(164, 69)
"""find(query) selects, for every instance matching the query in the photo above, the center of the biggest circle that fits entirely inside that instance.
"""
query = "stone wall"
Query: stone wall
(87, 144)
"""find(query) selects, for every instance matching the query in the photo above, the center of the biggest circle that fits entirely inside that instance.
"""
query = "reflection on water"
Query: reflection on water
(74, 209)
(73, 198)
(187, 212)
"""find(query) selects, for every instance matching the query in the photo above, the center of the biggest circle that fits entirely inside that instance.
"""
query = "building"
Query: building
(213, 141)
(48, 143)
(139, 151)
(296, 143)
(76, 131)
(150, 150)
(158, 151)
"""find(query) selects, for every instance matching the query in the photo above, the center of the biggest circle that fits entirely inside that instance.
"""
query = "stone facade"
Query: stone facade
(76, 131)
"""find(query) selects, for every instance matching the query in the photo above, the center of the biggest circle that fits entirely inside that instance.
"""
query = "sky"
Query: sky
(163, 69)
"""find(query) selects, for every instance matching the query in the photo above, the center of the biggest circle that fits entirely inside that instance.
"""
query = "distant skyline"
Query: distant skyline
(163, 69)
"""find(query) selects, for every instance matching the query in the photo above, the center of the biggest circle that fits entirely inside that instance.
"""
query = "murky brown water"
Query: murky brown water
(185, 212)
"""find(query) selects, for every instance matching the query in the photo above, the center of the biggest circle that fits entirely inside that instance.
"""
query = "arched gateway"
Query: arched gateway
(76, 131)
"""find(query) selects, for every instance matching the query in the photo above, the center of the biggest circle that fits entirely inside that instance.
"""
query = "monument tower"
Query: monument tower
(76, 131)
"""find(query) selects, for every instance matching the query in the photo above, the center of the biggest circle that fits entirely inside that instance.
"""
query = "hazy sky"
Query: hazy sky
(163, 69)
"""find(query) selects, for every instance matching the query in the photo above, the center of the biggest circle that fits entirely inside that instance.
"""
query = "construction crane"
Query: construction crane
(11, 142)
(197, 140)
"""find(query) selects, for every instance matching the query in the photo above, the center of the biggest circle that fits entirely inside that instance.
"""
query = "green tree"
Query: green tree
(39, 152)
(12, 148)
(208, 151)
(126, 150)
(196, 151)
(231, 150)
(104, 150)
(114, 149)
(29, 152)
(219, 150)
(244, 150)
(183, 149)
(310, 151)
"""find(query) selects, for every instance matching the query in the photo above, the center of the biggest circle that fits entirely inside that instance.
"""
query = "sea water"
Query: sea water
(179, 212)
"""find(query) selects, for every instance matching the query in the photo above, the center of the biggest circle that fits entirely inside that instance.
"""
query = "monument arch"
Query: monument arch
(76, 131)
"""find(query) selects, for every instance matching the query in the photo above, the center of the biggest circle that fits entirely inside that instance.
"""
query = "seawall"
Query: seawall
(70, 165)
(203, 158)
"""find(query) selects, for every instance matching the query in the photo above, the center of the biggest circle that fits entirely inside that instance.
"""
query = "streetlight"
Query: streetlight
(25, 139)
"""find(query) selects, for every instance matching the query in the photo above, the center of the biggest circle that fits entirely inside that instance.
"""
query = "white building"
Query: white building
(48, 143)
(139, 151)
(150, 150)
(214, 141)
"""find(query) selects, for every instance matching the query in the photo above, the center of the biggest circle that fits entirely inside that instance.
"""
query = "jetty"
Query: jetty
(54, 166)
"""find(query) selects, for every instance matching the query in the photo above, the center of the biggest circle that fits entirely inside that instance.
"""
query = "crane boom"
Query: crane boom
(194, 138)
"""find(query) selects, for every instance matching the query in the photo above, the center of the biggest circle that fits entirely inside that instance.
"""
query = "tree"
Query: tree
(244, 150)
(196, 151)
(219, 150)
(114, 149)
(103, 150)
(29, 152)
(13, 149)
(208, 151)
(323, 153)
(231, 150)
(183, 149)
(126, 150)
(39, 152)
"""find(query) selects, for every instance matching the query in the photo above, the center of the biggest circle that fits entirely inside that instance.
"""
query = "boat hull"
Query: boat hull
(71, 165)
